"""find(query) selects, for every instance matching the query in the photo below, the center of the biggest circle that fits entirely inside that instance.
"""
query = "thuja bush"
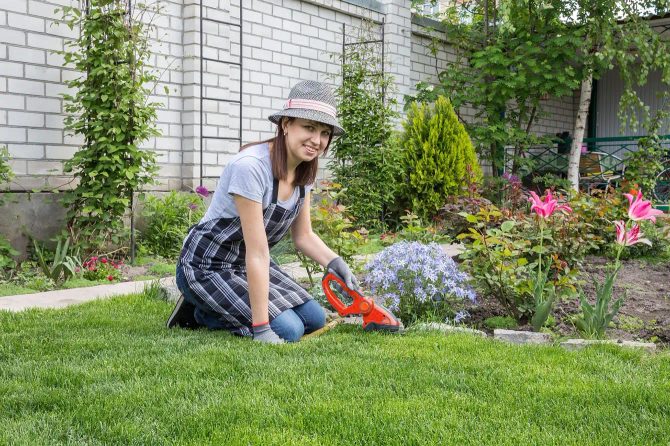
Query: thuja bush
(365, 159)
(111, 110)
(167, 220)
(436, 153)
(418, 282)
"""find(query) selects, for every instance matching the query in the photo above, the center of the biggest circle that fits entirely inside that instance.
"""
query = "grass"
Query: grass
(373, 246)
(80, 282)
(163, 269)
(9, 289)
(145, 277)
(108, 372)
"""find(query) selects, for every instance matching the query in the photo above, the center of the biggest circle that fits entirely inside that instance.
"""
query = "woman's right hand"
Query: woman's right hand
(341, 270)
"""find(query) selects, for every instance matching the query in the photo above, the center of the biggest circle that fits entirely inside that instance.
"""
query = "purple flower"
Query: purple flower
(460, 316)
(511, 178)
(192, 206)
(202, 191)
(414, 272)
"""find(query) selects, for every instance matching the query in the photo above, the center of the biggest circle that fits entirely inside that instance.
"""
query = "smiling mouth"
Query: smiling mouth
(311, 149)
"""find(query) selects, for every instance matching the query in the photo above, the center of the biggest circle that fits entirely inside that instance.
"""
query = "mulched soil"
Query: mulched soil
(644, 316)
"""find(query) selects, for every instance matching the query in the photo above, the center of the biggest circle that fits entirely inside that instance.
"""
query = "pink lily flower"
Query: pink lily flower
(545, 207)
(641, 209)
(629, 238)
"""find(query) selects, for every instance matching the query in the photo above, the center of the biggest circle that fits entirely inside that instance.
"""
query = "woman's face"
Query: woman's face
(306, 139)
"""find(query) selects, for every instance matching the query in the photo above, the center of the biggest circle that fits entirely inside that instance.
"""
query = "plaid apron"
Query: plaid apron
(213, 261)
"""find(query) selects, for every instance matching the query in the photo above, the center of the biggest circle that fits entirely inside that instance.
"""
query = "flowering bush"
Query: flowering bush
(504, 253)
(102, 268)
(418, 281)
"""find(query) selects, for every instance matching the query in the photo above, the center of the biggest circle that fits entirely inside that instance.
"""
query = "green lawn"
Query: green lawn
(108, 372)
(9, 289)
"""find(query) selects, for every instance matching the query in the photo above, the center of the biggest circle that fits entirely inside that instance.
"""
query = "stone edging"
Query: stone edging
(533, 338)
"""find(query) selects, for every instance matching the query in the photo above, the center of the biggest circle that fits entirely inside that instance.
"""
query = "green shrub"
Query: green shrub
(413, 230)
(501, 252)
(644, 164)
(168, 219)
(6, 254)
(6, 250)
(451, 218)
(6, 173)
(595, 214)
(436, 153)
(504, 322)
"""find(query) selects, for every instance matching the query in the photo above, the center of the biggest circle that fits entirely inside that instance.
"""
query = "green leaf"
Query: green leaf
(507, 226)
(471, 218)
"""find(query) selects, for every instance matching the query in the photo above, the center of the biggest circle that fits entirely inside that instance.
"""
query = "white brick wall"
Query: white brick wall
(283, 42)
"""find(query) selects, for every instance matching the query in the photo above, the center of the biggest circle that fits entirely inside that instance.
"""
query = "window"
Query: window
(429, 8)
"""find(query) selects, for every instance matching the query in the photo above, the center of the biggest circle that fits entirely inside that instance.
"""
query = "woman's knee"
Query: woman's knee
(288, 326)
(312, 315)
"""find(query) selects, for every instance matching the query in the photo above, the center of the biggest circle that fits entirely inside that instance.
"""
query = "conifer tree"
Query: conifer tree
(437, 151)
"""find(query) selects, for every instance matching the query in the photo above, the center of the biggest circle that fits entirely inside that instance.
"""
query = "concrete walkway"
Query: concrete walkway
(64, 298)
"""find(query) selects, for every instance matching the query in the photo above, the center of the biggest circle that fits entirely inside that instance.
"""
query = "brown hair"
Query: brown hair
(305, 173)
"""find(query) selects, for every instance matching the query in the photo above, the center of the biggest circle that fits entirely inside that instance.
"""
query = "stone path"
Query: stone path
(64, 298)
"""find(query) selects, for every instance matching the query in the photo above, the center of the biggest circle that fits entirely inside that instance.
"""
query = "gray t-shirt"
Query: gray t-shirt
(249, 174)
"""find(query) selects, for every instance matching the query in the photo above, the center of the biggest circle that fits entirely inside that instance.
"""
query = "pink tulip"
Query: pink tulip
(629, 238)
(547, 206)
(640, 209)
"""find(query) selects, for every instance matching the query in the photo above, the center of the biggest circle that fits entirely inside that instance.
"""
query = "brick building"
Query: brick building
(214, 53)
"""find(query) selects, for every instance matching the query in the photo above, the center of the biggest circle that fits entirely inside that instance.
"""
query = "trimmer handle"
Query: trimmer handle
(360, 305)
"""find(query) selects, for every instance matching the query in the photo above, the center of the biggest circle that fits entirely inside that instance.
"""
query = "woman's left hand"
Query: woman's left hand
(341, 270)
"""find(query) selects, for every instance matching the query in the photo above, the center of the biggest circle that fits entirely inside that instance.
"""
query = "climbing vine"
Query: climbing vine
(364, 160)
(110, 108)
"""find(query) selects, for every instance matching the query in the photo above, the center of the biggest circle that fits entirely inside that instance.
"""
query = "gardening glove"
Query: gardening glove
(263, 333)
(338, 267)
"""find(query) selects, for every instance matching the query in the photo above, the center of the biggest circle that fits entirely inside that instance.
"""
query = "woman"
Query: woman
(225, 272)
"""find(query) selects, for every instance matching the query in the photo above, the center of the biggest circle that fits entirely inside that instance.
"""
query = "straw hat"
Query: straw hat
(311, 100)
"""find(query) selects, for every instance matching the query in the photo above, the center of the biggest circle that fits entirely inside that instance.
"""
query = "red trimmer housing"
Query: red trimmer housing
(375, 316)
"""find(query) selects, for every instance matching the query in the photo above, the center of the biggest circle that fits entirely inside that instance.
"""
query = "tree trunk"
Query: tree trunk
(580, 124)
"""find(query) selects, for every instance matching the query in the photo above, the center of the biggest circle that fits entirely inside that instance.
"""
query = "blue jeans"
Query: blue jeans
(290, 325)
